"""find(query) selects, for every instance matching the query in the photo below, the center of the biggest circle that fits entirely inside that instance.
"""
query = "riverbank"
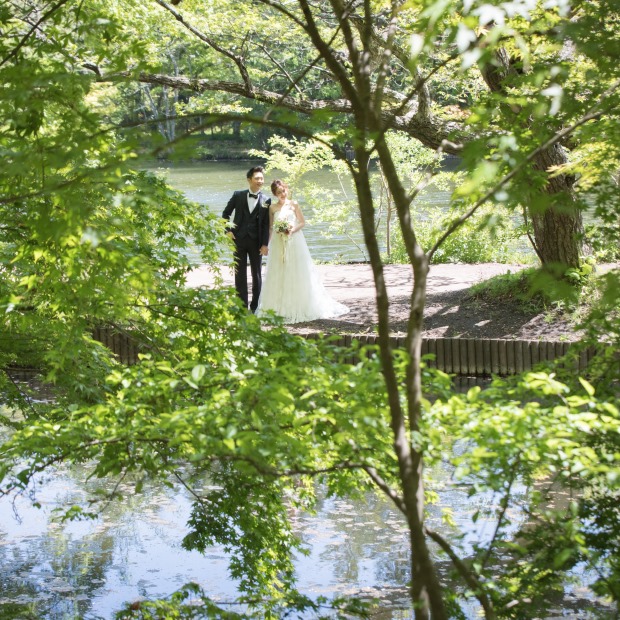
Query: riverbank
(451, 312)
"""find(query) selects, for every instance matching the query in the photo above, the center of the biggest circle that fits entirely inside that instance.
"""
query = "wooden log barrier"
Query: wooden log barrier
(459, 356)
(119, 342)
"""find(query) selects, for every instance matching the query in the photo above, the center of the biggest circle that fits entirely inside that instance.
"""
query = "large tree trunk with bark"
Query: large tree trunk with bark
(558, 230)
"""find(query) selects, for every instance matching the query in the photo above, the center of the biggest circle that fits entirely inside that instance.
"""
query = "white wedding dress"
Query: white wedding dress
(292, 287)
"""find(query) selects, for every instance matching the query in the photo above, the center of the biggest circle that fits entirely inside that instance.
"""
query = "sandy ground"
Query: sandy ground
(450, 312)
(354, 281)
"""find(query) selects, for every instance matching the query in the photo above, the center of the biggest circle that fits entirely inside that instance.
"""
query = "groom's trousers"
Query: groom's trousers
(247, 248)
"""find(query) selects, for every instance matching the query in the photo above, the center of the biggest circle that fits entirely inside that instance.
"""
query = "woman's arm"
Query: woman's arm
(271, 213)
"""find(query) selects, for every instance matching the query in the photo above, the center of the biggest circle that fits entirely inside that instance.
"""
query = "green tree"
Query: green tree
(512, 66)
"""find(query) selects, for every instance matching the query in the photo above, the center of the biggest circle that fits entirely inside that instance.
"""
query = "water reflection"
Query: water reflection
(88, 569)
(361, 546)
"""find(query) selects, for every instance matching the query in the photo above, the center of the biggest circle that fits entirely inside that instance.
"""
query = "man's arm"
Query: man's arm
(230, 207)
(265, 225)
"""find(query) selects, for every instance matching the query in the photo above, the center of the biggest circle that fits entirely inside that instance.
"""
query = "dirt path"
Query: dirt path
(450, 312)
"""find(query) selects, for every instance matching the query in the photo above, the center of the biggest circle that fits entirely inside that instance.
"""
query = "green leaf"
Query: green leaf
(589, 388)
(198, 372)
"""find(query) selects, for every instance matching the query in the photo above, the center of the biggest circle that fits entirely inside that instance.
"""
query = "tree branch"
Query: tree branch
(34, 27)
(327, 53)
(502, 514)
(470, 578)
(529, 235)
(238, 60)
(431, 132)
(391, 493)
(23, 394)
(294, 83)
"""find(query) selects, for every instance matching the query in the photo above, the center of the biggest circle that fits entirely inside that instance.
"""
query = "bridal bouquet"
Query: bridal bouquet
(282, 227)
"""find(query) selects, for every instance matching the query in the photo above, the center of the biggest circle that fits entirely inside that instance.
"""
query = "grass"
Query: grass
(534, 290)
(512, 288)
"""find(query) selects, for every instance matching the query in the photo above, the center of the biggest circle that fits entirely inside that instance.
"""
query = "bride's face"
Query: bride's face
(281, 193)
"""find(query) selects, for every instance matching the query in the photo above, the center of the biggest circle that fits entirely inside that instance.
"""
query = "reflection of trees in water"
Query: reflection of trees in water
(16, 589)
(53, 577)
(365, 541)
(572, 600)
(570, 595)
(56, 575)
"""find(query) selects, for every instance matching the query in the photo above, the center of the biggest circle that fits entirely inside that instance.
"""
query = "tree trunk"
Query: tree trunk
(426, 591)
(558, 230)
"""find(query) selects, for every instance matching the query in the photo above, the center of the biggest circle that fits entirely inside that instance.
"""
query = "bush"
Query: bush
(486, 239)
(604, 245)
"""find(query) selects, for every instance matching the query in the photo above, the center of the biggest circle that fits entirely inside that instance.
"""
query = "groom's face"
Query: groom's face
(256, 181)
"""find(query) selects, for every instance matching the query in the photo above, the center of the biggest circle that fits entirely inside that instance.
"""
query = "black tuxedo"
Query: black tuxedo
(251, 231)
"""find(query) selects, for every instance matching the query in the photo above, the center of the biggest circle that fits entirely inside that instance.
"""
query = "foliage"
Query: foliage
(104, 267)
(602, 332)
(571, 477)
(548, 437)
(512, 288)
(476, 242)
(240, 414)
(191, 603)
(605, 240)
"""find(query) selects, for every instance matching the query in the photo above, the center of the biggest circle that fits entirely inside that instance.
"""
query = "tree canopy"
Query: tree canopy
(508, 66)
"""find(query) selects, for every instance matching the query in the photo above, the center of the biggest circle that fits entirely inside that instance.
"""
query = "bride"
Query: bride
(292, 287)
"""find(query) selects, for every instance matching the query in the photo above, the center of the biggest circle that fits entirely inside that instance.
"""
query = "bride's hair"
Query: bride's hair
(277, 184)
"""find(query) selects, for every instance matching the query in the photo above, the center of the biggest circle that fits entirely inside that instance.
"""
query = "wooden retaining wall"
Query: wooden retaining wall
(479, 357)
(120, 343)
(461, 356)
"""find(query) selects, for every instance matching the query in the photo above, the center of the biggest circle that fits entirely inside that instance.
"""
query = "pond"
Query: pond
(212, 184)
(89, 569)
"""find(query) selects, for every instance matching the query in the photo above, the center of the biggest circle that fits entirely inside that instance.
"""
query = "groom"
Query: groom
(250, 232)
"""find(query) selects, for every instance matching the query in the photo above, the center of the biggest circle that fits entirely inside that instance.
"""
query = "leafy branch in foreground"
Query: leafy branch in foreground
(191, 603)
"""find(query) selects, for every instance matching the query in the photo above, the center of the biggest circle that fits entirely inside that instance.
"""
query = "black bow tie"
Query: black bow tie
(253, 195)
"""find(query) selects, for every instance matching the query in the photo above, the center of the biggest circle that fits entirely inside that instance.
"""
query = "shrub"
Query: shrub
(488, 238)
